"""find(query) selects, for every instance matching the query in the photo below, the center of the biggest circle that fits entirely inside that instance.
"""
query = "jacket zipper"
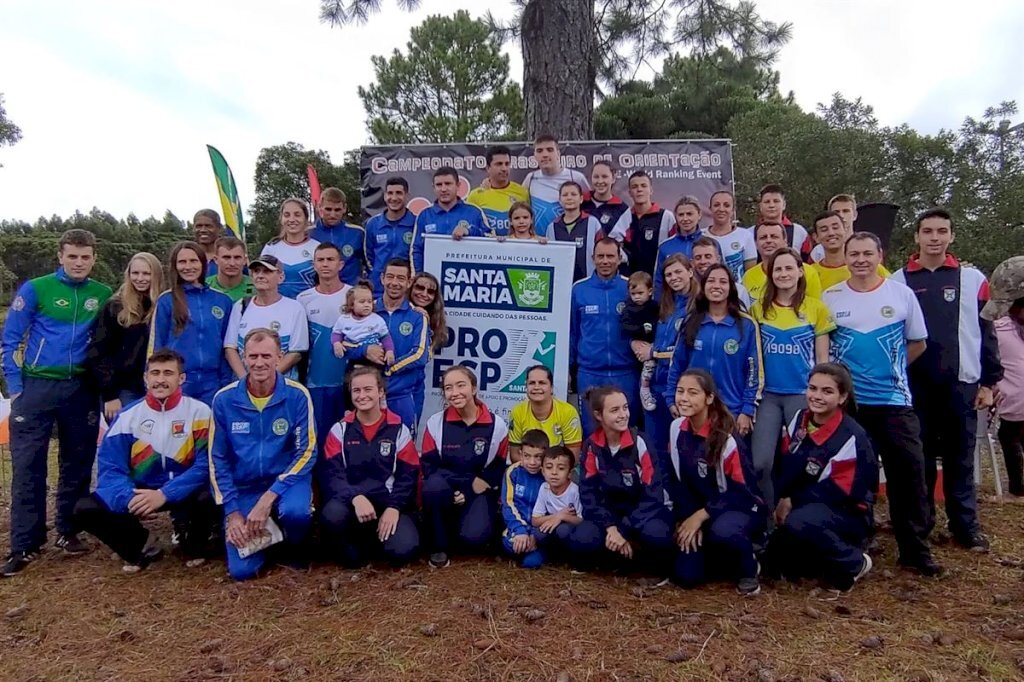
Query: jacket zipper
(202, 327)
(74, 329)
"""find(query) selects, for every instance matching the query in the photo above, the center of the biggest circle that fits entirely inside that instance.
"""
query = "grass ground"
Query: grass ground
(484, 619)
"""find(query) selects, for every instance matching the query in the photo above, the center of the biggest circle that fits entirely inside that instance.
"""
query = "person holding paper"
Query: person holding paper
(262, 451)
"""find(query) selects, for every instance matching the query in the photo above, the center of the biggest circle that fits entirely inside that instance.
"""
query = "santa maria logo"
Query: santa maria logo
(731, 346)
(280, 427)
(405, 328)
(497, 287)
(217, 312)
(91, 304)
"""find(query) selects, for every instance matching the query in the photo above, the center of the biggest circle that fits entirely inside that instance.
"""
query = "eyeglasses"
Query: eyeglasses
(424, 288)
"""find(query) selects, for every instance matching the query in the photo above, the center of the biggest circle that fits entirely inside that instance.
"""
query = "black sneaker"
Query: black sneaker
(748, 587)
(149, 555)
(439, 560)
(975, 542)
(16, 563)
(924, 564)
(71, 544)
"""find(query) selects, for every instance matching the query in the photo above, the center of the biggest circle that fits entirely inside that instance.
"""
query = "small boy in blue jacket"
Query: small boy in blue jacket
(519, 490)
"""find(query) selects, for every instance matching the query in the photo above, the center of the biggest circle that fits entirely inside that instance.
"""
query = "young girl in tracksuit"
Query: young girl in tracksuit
(709, 480)
(721, 339)
(465, 448)
(626, 515)
(826, 479)
(191, 318)
(368, 477)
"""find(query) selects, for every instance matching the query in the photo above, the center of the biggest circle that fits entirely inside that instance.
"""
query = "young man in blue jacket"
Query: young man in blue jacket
(449, 215)
(262, 451)
(331, 228)
(153, 459)
(389, 234)
(55, 316)
(599, 352)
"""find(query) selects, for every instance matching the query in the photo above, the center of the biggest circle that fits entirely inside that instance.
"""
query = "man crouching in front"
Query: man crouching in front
(262, 450)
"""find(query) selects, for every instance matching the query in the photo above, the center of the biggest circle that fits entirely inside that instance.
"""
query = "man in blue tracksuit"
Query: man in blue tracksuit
(389, 234)
(331, 228)
(410, 332)
(262, 451)
(599, 352)
(54, 316)
(449, 215)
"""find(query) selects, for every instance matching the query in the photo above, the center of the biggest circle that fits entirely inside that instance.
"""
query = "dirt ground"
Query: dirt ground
(485, 619)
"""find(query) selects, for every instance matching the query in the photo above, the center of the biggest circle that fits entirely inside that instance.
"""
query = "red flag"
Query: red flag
(314, 186)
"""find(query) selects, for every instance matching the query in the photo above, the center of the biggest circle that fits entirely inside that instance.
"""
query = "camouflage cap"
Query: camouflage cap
(1005, 286)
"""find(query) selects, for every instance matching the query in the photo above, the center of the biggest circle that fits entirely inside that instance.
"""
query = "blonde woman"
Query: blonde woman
(294, 248)
(117, 354)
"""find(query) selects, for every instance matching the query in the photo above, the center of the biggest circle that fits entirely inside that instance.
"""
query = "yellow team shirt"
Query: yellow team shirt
(562, 426)
(787, 343)
(831, 276)
(756, 279)
(259, 403)
(495, 204)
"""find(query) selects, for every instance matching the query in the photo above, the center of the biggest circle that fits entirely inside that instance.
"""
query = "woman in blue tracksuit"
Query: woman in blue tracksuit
(626, 515)
(709, 479)
(192, 319)
(826, 478)
(465, 448)
(678, 286)
(367, 479)
(720, 338)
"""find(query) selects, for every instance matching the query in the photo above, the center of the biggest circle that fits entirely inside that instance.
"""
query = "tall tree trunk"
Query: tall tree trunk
(559, 68)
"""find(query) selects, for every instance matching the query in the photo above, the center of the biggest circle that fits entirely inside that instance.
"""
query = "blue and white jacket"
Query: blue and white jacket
(385, 240)
(201, 341)
(519, 490)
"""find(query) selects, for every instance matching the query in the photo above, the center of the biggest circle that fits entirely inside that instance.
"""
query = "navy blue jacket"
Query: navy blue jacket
(461, 453)
(620, 489)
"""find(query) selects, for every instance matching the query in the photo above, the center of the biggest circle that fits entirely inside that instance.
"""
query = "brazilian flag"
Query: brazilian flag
(228, 191)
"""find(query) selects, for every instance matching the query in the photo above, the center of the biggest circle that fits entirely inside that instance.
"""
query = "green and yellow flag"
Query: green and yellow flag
(228, 191)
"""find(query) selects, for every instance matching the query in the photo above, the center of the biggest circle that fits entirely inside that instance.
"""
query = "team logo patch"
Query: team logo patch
(557, 430)
(887, 311)
(463, 224)
(627, 479)
(382, 239)
(178, 428)
(574, 423)
(731, 346)
(735, 246)
(239, 427)
(279, 427)
(405, 328)
(61, 302)
(347, 251)
(147, 426)
(605, 218)
(385, 448)
(813, 468)
(479, 445)
(620, 307)
(275, 325)
(91, 304)
(949, 294)
(306, 253)
(520, 490)
(590, 310)
(431, 228)
(648, 235)
(579, 242)
(698, 344)
(407, 237)
(19, 304)
(702, 468)
(217, 312)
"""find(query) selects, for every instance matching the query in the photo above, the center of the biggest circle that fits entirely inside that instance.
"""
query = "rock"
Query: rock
(565, 594)
(220, 664)
(927, 639)
(872, 642)
(282, 664)
(210, 645)
(843, 610)
(653, 649)
(334, 584)
(948, 639)
(17, 612)
(429, 630)
(678, 656)
(812, 612)
(719, 667)
(1001, 599)
(765, 675)
(535, 614)
(485, 643)
(748, 637)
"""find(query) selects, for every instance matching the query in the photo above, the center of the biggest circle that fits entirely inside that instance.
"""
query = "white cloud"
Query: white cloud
(117, 100)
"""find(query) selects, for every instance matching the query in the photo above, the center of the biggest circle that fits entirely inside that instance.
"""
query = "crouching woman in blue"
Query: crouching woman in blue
(710, 482)
(624, 505)
(367, 480)
(464, 451)
(262, 451)
(826, 480)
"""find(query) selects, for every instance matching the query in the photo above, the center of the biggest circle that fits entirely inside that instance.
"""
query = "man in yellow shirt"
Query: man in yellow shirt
(832, 232)
(498, 194)
(541, 410)
(769, 238)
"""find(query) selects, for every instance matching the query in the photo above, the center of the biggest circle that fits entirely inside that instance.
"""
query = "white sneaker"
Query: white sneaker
(647, 399)
(865, 568)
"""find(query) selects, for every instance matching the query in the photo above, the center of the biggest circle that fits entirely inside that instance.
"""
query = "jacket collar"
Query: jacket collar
(389, 417)
(601, 440)
(692, 237)
(440, 209)
(600, 281)
(169, 403)
(320, 225)
(914, 263)
(614, 201)
(483, 414)
(275, 397)
(728, 320)
(64, 277)
(825, 431)
(703, 431)
(379, 306)
(653, 209)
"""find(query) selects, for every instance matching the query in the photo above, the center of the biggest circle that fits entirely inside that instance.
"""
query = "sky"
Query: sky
(117, 99)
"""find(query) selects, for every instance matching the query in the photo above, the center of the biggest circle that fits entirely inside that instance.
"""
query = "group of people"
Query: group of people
(249, 384)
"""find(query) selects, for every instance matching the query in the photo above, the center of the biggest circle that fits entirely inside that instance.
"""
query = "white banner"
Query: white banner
(507, 307)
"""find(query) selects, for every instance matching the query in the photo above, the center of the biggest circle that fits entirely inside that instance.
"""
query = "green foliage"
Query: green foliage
(9, 132)
(281, 174)
(450, 85)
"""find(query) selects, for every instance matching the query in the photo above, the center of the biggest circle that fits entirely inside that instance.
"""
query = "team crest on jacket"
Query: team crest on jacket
(813, 468)
(178, 428)
(620, 307)
(280, 427)
(731, 346)
(949, 294)
(407, 237)
(649, 234)
(217, 312)
(385, 448)
(606, 217)
(735, 246)
(627, 479)
(92, 304)
(479, 445)
(19, 304)
(347, 251)
(405, 328)
(702, 468)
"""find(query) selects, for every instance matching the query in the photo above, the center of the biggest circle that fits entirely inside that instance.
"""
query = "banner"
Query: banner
(228, 191)
(507, 306)
(676, 167)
